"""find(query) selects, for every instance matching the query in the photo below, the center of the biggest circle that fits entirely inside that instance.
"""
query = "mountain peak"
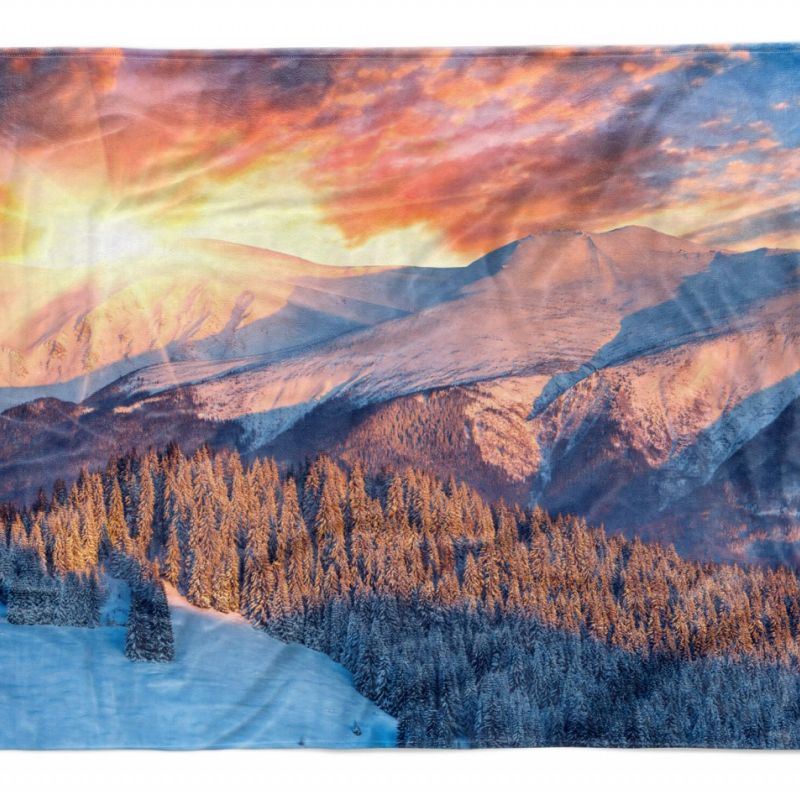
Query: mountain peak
(652, 239)
(634, 236)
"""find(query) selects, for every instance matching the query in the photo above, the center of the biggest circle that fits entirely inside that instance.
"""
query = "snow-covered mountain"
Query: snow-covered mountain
(542, 305)
(610, 374)
(71, 332)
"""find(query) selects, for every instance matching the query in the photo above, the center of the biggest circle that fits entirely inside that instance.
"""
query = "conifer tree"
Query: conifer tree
(331, 552)
(145, 511)
(299, 549)
(117, 526)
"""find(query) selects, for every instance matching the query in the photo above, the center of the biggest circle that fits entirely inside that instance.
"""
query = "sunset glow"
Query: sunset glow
(377, 157)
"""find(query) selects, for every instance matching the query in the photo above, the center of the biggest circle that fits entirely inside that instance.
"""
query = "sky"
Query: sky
(392, 157)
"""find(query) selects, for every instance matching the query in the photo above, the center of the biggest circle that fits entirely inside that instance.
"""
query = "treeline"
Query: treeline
(270, 545)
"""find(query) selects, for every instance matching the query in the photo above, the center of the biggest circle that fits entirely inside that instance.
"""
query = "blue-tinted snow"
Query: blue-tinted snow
(229, 686)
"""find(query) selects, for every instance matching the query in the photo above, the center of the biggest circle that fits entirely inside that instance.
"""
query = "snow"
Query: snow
(116, 602)
(542, 305)
(684, 409)
(229, 686)
(716, 443)
(709, 303)
(205, 301)
(501, 427)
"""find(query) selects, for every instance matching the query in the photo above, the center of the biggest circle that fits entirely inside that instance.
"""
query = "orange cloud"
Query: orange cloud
(478, 148)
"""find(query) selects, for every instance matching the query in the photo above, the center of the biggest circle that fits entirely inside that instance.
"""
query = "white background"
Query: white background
(269, 775)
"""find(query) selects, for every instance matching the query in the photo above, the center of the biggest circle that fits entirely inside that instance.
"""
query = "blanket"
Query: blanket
(400, 398)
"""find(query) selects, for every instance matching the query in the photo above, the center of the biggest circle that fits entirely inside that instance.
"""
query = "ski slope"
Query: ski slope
(229, 686)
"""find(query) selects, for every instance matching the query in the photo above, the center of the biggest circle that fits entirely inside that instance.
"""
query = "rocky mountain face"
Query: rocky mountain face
(634, 378)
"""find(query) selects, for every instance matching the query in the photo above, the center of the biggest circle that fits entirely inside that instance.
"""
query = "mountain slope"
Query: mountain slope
(556, 300)
(71, 332)
(611, 375)
(711, 303)
(759, 486)
(651, 417)
(229, 686)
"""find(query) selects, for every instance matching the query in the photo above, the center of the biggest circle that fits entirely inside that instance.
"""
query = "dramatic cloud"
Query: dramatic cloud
(435, 156)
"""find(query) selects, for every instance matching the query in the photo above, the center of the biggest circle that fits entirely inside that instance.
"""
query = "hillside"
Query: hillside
(74, 331)
(229, 686)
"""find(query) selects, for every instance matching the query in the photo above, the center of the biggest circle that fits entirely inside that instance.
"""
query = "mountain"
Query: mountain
(555, 301)
(753, 496)
(628, 376)
(71, 332)
(682, 387)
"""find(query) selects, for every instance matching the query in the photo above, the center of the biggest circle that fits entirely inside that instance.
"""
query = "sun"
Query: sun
(110, 240)
(82, 227)
(83, 238)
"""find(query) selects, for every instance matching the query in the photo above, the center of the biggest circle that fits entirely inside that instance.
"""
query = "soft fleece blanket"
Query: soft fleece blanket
(418, 398)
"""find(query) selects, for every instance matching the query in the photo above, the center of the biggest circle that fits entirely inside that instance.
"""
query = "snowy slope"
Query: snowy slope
(68, 333)
(717, 301)
(229, 686)
(549, 304)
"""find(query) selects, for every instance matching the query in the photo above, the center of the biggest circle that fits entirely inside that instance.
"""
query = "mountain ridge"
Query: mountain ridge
(591, 373)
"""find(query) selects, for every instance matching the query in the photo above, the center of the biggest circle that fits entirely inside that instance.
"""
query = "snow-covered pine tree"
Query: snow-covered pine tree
(117, 526)
(145, 510)
(149, 635)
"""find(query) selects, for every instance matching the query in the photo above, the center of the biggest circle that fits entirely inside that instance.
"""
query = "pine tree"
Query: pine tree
(117, 526)
(329, 530)
(39, 544)
(257, 588)
(145, 511)
(149, 635)
(200, 564)
(171, 561)
(299, 548)
(359, 522)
